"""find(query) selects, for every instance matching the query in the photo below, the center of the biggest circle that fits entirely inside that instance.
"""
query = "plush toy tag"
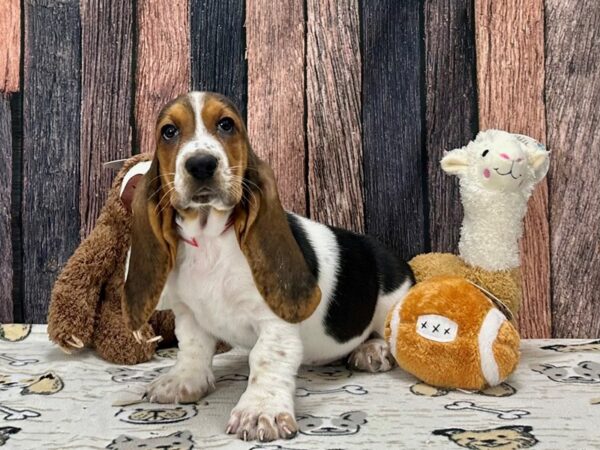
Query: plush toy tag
(437, 328)
(115, 164)
(496, 301)
(130, 181)
(129, 190)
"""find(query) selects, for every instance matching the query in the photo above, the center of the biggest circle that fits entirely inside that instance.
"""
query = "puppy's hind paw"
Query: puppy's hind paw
(373, 355)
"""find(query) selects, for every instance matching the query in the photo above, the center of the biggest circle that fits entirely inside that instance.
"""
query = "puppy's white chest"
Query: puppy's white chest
(214, 281)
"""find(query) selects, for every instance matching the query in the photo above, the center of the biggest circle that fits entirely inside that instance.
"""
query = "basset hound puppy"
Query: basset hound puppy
(211, 241)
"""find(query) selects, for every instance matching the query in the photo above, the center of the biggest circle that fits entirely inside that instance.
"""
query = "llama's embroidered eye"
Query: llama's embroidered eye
(485, 152)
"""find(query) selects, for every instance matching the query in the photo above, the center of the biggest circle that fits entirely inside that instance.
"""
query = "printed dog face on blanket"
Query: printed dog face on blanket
(330, 373)
(345, 424)
(14, 332)
(510, 437)
(592, 346)
(130, 375)
(160, 415)
(45, 384)
(586, 372)
(5, 433)
(182, 440)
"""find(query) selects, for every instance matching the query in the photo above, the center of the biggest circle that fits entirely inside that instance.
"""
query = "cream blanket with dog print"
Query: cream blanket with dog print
(50, 400)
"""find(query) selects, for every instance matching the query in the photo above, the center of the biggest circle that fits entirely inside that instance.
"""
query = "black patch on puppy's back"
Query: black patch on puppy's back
(305, 246)
(365, 268)
(392, 270)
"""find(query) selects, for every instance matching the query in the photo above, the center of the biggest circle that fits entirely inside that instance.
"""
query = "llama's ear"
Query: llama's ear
(540, 163)
(455, 162)
(537, 155)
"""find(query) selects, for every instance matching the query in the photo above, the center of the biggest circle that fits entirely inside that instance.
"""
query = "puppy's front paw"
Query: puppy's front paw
(181, 386)
(256, 423)
(373, 355)
(259, 415)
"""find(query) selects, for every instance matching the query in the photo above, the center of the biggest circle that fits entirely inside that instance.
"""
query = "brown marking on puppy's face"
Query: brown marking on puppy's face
(204, 163)
(202, 149)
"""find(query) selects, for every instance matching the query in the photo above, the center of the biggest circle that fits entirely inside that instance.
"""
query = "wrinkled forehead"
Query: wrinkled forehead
(198, 112)
(178, 111)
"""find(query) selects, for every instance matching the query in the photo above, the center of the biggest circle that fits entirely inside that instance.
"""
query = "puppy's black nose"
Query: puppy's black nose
(201, 167)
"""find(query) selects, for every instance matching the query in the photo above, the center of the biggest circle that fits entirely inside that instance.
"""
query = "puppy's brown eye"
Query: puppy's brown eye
(168, 132)
(485, 152)
(226, 125)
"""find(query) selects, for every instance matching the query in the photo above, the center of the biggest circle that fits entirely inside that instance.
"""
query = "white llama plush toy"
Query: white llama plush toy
(455, 328)
(497, 172)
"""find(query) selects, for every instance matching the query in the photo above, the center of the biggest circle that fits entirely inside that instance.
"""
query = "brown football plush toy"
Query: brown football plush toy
(85, 308)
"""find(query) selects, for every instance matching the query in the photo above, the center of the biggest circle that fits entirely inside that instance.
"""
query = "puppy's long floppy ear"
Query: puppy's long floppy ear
(153, 249)
(277, 263)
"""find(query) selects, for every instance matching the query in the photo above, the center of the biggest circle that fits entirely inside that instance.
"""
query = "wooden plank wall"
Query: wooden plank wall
(510, 77)
(6, 258)
(352, 102)
(106, 98)
(10, 50)
(162, 65)
(333, 113)
(451, 109)
(51, 107)
(573, 118)
(218, 48)
(276, 47)
(393, 129)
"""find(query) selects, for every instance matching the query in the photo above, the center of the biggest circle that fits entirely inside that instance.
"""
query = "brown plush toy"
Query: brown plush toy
(85, 308)
(449, 333)
(504, 284)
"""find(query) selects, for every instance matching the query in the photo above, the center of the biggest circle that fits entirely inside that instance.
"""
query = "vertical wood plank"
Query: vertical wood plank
(573, 98)
(6, 272)
(16, 109)
(510, 77)
(276, 93)
(392, 124)
(51, 107)
(162, 65)
(451, 112)
(333, 83)
(106, 27)
(10, 46)
(218, 47)
(10, 53)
